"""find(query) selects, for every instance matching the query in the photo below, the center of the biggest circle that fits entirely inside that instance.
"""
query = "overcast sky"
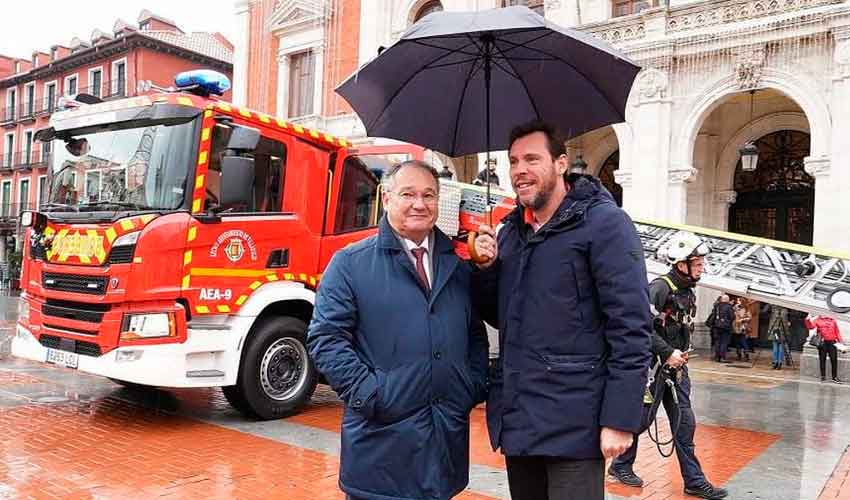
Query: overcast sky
(37, 24)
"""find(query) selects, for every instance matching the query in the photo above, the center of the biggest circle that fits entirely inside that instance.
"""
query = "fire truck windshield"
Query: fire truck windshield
(141, 168)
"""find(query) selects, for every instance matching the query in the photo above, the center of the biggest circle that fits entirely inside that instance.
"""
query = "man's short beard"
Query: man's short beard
(542, 197)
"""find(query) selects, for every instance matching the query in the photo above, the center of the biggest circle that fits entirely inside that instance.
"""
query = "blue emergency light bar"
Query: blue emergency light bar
(212, 82)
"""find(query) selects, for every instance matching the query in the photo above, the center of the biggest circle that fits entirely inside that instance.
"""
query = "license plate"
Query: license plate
(63, 358)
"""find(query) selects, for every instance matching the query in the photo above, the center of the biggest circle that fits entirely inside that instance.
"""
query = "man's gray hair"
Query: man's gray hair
(388, 180)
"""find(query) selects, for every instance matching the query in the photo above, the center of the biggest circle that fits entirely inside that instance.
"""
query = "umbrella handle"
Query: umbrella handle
(473, 255)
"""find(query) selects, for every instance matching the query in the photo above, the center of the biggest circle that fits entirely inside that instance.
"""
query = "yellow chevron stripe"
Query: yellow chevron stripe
(127, 224)
(111, 235)
(224, 107)
(187, 257)
(205, 134)
(193, 233)
(208, 113)
(202, 158)
(196, 206)
(199, 181)
(202, 309)
(233, 273)
(241, 300)
(255, 285)
(223, 309)
(184, 101)
(271, 277)
(186, 282)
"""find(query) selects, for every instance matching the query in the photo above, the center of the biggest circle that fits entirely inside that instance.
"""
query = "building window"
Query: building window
(11, 104)
(30, 96)
(42, 191)
(6, 198)
(50, 97)
(628, 7)
(23, 195)
(428, 8)
(535, 5)
(53, 53)
(28, 147)
(119, 78)
(9, 150)
(95, 82)
(71, 85)
(302, 76)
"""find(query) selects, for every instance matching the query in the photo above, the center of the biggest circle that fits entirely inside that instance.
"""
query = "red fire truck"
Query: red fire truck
(183, 240)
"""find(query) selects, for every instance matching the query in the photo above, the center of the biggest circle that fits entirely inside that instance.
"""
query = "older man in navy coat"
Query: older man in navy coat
(394, 333)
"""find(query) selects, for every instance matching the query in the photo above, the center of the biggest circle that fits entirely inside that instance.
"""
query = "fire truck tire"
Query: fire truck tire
(276, 376)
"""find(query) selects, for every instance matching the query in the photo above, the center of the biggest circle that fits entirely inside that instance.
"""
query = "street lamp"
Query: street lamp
(749, 153)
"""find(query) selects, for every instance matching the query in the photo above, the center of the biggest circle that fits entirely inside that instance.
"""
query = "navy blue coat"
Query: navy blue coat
(409, 367)
(572, 309)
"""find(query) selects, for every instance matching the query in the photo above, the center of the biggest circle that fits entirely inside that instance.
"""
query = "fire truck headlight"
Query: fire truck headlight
(146, 326)
(127, 239)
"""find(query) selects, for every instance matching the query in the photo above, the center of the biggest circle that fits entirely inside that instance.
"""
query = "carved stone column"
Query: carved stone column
(650, 152)
(677, 193)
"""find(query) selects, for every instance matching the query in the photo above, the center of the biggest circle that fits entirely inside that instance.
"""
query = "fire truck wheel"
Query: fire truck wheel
(276, 377)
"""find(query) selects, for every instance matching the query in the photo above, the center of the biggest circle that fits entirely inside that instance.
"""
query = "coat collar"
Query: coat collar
(585, 192)
(444, 259)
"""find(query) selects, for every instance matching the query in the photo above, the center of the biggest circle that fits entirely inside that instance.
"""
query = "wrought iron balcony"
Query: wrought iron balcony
(24, 160)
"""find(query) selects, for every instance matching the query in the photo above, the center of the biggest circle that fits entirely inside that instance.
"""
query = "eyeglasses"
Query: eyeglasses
(409, 197)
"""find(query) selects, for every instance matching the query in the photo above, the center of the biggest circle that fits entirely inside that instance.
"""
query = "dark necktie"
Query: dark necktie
(419, 253)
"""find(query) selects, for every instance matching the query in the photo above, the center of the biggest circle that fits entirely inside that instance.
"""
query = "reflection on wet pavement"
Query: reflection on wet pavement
(71, 435)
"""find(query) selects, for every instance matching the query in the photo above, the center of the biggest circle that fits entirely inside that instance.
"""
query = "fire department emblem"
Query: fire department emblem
(234, 250)
(234, 244)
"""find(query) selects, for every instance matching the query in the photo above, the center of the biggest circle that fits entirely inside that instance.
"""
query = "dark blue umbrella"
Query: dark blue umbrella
(449, 73)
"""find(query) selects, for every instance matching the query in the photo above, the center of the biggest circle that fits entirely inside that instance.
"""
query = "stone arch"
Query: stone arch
(774, 122)
(796, 88)
(601, 151)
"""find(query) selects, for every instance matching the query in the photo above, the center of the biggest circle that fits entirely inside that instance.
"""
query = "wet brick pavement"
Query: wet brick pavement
(761, 434)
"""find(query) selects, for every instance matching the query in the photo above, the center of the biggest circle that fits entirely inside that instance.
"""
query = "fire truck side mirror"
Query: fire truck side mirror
(243, 139)
(237, 181)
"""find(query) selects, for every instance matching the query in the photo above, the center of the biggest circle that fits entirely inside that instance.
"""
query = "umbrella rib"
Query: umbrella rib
(472, 71)
(522, 81)
(451, 51)
(402, 86)
(465, 61)
(508, 71)
(593, 85)
(525, 44)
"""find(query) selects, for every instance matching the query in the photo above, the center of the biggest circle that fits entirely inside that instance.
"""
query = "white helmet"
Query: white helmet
(682, 246)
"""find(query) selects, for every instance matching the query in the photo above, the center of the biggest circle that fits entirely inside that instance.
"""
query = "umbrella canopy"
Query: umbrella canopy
(455, 76)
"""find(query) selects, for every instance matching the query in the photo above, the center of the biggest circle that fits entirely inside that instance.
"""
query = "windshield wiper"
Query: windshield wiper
(53, 205)
(119, 204)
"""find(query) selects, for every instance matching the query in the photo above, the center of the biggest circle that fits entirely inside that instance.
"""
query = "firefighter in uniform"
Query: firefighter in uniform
(673, 304)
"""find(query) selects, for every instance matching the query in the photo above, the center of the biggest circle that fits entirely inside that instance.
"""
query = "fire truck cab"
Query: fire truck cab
(183, 239)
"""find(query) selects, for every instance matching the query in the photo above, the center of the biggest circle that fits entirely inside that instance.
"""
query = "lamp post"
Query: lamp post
(749, 152)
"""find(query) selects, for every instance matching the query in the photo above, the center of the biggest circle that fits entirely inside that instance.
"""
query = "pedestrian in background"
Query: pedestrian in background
(394, 333)
(566, 284)
(827, 328)
(778, 327)
(722, 327)
(741, 329)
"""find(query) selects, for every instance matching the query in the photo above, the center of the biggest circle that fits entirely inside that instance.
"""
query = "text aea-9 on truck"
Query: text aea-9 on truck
(183, 239)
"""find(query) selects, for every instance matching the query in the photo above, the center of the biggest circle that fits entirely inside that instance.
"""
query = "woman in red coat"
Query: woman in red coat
(828, 330)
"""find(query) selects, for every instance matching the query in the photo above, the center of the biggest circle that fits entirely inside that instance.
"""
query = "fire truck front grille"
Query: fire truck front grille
(77, 346)
(122, 254)
(92, 285)
(90, 313)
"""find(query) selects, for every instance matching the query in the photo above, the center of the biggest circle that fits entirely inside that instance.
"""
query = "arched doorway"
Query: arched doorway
(427, 8)
(776, 201)
(606, 175)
